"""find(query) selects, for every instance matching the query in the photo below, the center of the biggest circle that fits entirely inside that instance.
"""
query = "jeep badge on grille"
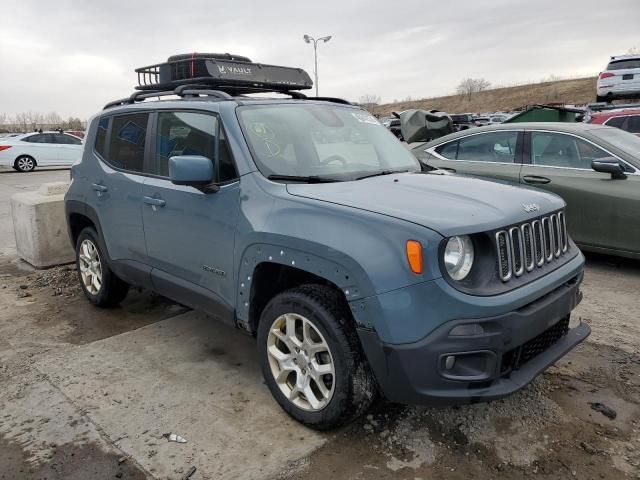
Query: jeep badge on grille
(530, 207)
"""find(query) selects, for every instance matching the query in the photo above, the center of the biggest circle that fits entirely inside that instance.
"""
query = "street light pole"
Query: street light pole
(309, 39)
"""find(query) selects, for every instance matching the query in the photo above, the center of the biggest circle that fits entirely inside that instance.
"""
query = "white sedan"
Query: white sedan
(30, 150)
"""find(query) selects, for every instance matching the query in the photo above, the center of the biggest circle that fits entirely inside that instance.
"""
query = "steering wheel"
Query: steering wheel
(334, 158)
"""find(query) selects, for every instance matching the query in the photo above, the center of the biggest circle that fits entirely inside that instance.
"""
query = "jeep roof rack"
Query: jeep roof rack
(233, 74)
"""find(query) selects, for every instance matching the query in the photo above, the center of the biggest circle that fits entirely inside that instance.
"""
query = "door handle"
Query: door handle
(154, 202)
(536, 179)
(99, 189)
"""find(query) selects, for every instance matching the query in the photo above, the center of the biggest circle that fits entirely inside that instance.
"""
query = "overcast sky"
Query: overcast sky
(73, 56)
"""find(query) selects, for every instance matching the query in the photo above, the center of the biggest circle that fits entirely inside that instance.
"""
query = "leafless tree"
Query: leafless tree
(634, 51)
(370, 101)
(469, 86)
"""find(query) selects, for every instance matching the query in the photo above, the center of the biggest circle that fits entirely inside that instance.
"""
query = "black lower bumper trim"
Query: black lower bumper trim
(512, 350)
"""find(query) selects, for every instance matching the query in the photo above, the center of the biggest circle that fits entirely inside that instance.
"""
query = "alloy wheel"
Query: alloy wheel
(301, 362)
(26, 164)
(90, 267)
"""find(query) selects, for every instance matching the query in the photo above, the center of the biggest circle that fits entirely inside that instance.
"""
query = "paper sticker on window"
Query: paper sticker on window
(366, 118)
(131, 132)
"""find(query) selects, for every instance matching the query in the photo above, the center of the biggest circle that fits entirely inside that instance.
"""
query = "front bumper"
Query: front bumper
(511, 351)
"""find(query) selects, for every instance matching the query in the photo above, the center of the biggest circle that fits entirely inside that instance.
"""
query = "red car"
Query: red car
(626, 119)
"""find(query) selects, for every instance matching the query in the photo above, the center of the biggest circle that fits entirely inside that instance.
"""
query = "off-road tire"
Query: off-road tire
(354, 385)
(25, 163)
(113, 290)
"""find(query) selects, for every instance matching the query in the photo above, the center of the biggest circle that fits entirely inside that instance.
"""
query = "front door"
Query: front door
(189, 233)
(494, 154)
(602, 212)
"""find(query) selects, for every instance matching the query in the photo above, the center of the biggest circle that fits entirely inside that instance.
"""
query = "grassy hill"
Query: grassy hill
(576, 91)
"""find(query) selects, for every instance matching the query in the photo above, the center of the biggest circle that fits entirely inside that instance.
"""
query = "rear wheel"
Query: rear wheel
(24, 163)
(99, 284)
(311, 358)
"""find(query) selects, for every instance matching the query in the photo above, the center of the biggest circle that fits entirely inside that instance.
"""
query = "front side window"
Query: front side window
(126, 145)
(634, 124)
(190, 133)
(486, 147)
(321, 140)
(559, 150)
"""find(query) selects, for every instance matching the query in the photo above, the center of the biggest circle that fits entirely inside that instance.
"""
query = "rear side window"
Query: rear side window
(191, 133)
(101, 136)
(62, 139)
(624, 64)
(126, 145)
(617, 122)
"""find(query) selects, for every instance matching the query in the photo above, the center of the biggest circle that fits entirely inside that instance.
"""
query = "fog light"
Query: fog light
(466, 330)
(574, 322)
(449, 362)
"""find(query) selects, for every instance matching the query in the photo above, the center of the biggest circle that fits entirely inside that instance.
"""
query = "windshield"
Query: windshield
(321, 140)
(625, 141)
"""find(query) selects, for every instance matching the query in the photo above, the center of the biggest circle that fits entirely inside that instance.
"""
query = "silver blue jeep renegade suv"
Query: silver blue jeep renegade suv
(304, 222)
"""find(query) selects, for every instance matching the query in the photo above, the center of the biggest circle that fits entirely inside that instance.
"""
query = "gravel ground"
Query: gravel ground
(548, 430)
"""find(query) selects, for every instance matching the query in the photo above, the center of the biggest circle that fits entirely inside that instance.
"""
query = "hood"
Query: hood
(448, 204)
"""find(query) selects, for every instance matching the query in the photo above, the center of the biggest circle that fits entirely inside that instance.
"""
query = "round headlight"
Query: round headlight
(458, 257)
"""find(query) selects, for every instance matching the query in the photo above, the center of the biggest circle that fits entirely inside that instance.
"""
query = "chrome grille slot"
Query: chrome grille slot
(504, 255)
(515, 237)
(530, 245)
(557, 235)
(563, 229)
(538, 241)
(547, 235)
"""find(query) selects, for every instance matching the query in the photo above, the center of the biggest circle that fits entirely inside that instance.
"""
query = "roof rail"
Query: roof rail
(181, 91)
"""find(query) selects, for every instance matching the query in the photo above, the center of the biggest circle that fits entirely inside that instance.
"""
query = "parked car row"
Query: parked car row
(25, 152)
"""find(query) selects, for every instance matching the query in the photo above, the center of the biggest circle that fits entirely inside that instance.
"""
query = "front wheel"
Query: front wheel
(24, 163)
(311, 358)
(99, 284)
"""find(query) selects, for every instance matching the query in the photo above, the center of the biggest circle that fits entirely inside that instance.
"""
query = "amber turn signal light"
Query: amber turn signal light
(414, 255)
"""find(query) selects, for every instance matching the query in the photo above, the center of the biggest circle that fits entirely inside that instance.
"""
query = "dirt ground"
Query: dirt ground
(548, 430)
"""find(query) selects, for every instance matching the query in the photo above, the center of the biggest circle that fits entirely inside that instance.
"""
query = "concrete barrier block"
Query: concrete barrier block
(40, 226)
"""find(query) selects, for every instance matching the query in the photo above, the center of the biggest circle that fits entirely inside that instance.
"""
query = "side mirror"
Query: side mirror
(192, 170)
(609, 165)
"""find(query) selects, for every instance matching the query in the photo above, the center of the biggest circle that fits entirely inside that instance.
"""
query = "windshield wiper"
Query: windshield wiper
(383, 172)
(309, 179)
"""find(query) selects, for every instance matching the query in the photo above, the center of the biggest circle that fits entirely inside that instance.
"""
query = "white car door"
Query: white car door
(69, 148)
(40, 146)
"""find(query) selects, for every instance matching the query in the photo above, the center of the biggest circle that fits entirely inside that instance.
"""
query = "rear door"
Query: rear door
(601, 211)
(495, 154)
(115, 191)
(189, 233)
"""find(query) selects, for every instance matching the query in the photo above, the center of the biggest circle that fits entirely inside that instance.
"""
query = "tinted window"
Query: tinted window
(39, 138)
(126, 145)
(489, 147)
(188, 133)
(624, 64)
(558, 150)
(101, 136)
(63, 139)
(634, 124)
(617, 122)
(448, 150)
